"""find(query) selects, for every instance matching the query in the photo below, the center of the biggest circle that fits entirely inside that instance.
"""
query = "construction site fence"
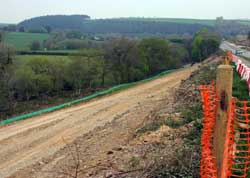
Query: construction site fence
(209, 99)
(236, 158)
(87, 98)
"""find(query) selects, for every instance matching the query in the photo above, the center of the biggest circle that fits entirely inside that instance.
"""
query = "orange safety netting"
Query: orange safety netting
(229, 143)
(236, 156)
(236, 163)
(239, 153)
(209, 99)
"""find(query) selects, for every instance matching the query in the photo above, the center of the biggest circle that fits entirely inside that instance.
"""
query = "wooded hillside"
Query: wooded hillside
(121, 25)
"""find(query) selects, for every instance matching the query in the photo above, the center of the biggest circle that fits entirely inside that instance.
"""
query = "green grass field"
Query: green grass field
(22, 41)
(26, 58)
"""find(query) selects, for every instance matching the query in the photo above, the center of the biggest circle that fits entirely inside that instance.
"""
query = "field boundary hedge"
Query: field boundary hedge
(84, 99)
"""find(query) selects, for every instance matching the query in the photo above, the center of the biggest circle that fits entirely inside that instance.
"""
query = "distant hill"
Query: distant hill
(117, 25)
(134, 26)
(55, 22)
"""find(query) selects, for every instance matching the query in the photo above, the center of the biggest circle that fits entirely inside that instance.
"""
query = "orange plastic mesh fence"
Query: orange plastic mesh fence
(229, 143)
(239, 135)
(209, 100)
(236, 163)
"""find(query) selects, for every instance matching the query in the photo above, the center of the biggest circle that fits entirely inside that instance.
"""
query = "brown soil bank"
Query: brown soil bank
(100, 138)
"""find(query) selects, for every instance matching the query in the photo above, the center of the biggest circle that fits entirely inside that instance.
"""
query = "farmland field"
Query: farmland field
(26, 58)
(22, 41)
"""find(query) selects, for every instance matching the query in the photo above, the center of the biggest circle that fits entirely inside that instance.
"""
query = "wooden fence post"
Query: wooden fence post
(224, 84)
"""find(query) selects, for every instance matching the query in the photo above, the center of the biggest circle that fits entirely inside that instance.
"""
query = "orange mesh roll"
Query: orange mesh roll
(209, 100)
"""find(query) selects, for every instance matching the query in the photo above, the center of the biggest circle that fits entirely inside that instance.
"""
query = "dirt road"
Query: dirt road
(27, 142)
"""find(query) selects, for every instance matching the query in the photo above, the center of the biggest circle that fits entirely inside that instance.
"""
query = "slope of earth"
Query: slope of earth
(36, 147)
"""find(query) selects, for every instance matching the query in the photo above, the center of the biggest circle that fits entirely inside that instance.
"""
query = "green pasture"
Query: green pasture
(22, 41)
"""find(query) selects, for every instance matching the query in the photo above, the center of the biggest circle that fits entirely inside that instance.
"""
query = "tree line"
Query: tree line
(119, 61)
(66, 40)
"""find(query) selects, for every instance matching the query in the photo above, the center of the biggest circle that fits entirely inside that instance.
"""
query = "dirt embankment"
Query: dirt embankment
(139, 132)
(88, 140)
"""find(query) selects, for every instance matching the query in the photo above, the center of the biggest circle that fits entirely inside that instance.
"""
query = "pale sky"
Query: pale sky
(14, 11)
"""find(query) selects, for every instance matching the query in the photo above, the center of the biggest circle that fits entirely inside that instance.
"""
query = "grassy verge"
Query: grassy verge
(240, 89)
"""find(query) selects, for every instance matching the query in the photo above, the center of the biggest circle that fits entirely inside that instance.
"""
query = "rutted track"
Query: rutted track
(26, 142)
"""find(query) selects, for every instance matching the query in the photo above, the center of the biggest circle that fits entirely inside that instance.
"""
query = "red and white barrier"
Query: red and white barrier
(243, 70)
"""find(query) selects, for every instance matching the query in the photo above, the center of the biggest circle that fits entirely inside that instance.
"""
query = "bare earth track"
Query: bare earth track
(27, 142)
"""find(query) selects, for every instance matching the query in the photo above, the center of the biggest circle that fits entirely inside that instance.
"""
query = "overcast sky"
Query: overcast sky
(13, 11)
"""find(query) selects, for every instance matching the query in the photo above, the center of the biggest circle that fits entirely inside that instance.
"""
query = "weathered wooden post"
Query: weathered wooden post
(224, 84)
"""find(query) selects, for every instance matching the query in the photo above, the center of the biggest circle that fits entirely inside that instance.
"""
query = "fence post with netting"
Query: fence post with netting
(225, 140)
